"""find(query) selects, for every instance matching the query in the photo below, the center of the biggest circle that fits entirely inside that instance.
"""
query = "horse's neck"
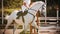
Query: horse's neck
(33, 3)
(35, 6)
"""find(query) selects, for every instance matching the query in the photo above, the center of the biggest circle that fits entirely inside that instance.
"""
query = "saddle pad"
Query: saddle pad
(20, 13)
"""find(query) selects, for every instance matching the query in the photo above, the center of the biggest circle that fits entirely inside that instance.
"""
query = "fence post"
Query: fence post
(57, 16)
(2, 13)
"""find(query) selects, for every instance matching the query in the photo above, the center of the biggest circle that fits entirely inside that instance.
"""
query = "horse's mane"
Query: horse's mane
(32, 4)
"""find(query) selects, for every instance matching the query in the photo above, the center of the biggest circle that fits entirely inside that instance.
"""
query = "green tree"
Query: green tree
(12, 3)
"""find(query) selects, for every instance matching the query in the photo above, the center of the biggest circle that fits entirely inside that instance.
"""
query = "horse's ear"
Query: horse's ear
(38, 14)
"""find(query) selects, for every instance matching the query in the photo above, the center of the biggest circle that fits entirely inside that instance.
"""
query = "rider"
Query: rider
(26, 4)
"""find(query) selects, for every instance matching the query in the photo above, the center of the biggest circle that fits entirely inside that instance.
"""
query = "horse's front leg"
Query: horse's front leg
(34, 23)
(25, 26)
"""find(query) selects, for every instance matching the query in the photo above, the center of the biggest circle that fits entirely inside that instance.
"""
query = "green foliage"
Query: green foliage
(22, 32)
(12, 3)
(28, 32)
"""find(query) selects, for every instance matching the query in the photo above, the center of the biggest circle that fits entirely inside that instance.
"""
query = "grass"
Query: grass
(28, 32)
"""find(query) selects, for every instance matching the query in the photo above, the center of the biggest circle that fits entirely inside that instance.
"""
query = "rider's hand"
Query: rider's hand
(25, 4)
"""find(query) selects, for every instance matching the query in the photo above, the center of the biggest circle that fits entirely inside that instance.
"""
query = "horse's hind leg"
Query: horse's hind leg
(8, 23)
(15, 27)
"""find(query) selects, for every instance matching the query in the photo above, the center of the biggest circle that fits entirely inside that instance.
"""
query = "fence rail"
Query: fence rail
(48, 18)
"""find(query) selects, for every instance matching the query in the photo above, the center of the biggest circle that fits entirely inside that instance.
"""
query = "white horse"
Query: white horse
(29, 17)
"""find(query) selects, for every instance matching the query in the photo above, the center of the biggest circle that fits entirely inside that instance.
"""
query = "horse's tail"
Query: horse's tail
(7, 17)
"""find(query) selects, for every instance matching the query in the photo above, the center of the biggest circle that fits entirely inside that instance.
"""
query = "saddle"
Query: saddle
(20, 13)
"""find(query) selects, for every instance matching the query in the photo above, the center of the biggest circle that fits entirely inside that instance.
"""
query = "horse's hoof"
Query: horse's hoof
(17, 18)
(3, 32)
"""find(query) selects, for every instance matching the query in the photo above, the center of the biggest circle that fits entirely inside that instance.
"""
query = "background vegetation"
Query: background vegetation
(12, 4)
